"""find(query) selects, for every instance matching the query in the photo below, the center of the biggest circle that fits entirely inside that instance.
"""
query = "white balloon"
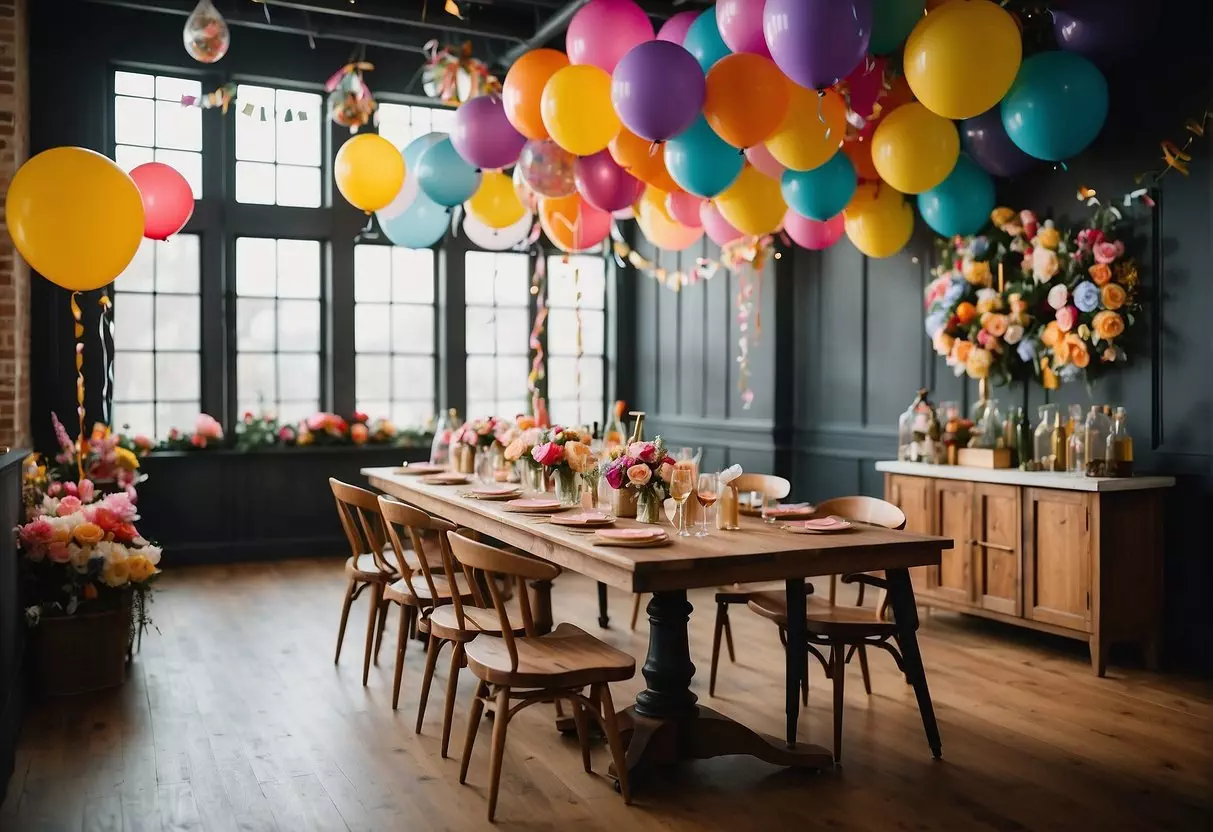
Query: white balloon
(497, 239)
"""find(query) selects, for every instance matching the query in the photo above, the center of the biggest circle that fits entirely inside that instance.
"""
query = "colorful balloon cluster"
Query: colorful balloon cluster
(730, 122)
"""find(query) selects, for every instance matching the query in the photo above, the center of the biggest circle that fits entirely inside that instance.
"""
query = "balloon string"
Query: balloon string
(821, 116)
(577, 316)
(78, 328)
(105, 326)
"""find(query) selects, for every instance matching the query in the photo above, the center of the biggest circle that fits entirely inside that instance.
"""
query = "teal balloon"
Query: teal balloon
(960, 204)
(1057, 105)
(701, 162)
(703, 39)
(820, 193)
(422, 224)
(444, 176)
(413, 150)
(892, 21)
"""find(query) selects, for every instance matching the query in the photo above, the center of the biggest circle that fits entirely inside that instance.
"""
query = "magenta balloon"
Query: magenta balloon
(763, 161)
(603, 184)
(675, 29)
(684, 207)
(740, 25)
(817, 42)
(812, 234)
(658, 90)
(865, 83)
(483, 136)
(603, 31)
(719, 230)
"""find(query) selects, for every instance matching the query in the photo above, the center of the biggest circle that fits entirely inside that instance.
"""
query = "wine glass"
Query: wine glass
(682, 483)
(706, 493)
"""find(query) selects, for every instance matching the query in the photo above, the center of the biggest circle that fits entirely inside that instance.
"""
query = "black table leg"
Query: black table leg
(794, 656)
(668, 668)
(603, 619)
(905, 615)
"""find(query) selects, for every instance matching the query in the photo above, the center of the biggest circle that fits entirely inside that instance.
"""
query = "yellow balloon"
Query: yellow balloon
(878, 220)
(369, 171)
(753, 204)
(75, 216)
(961, 59)
(913, 149)
(577, 110)
(496, 203)
(812, 130)
(658, 227)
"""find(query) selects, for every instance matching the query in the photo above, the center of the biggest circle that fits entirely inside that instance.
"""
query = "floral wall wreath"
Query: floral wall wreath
(1027, 299)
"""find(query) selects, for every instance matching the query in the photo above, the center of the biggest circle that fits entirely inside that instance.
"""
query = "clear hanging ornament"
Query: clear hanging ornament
(206, 35)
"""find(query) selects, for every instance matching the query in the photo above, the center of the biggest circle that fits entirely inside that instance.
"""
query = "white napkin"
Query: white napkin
(729, 474)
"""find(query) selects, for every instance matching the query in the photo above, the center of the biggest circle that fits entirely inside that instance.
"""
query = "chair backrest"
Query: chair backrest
(769, 484)
(492, 564)
(414, 521)
(360, 519)
(865, 510)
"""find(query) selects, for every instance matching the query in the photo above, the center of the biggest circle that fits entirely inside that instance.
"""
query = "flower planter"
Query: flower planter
(623, 502)
(73, 654)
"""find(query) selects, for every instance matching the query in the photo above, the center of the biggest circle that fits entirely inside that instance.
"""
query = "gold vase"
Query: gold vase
(463, 459)
(623, 502)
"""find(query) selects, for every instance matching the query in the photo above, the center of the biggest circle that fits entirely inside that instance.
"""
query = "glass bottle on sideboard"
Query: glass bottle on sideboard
(1119, 447)
(1097, 428)
(1042, 441)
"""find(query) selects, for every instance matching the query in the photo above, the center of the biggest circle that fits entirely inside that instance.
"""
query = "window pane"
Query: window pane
(298, 186)
(177, 322)
(130, 157)
(298, 325)
(136, 418)
(178, 127)
(177, 264)
(299, 377)
(412, 414)
(256, 266)
(480, 334)
(480, 408)
(375, 408)
(478, 277)
(298, 142)
(181, 415)
(513, 330)
(481, 376)
(372, 327)
(511, 377)
(139, 275)
(133, 376)
(372, 375)
(133, 322)
(172, 89)
(294, 412)
(298, 268)
(583, 274)
(413, 275)
(134, 121)
(412, 328)
(561, 378)
(186, 163)
(372, 273)
(134, 83)
(513, 282)
(413, 378)
(178, 377)
(254, 324)
(255, 183)
(442, 119)
(254, 137)
(255, 380)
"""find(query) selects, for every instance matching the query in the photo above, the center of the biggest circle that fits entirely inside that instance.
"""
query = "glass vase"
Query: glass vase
(484, 466)
(530, 476)
(648, 507)
(568, 486)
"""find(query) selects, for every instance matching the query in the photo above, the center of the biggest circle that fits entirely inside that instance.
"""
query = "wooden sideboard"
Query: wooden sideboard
(1075, 556)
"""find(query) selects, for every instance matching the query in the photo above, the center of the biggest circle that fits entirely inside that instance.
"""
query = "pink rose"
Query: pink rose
(666, 471)
(121, 504)
(644, 451)
(58, 552)
(549, 453)
(55, 489)
(1058, 296)
(70, 488)
(1030, 223)
(1108, 252)
(69, 505)
(86, 491)
(614, 476)
(1088, 238)
(1067, 317)
(38, 533)
(639, 475)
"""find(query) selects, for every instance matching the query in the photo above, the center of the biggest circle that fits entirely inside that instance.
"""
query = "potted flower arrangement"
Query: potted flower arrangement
(519, 440)
(207, 432)
(87, 572)
(565, 454)
(471, 442)
(639, 475)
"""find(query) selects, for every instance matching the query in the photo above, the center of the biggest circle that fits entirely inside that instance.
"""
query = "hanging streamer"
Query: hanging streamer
(105, 333)
(577, 318)
(539, 290)
(81, 445)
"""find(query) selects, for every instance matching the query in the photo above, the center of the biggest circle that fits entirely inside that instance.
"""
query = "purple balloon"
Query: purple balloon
(1102, 28)
(658, 90)
(817, 42)
(603, 184)
(987, 142)
(740, 25)
(483, 136)
(675, 29)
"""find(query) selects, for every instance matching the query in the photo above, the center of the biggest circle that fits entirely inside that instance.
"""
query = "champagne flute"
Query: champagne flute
(706, 493)
(681, 485)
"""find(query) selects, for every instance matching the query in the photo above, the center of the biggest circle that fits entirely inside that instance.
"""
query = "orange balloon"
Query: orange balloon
(812, 131)
(747, 98)
(641, 158)
(572, 224)
(659, 228)
(522, 90)
(860, 154)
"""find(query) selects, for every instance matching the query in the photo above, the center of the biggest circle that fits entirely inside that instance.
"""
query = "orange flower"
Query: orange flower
(578, 456)
(525, 422)
(943, 342)
(1061, 352)
(977, 365)
(359, 433)
(1079, 355)
(1051, 334)
(88, 534)
(1100, 273)
(995, 324)
(961, 349)
(1047, 377)
(1112, 296)
(966, 312)
(1107, 325)
(1109, 354)
(90, 592)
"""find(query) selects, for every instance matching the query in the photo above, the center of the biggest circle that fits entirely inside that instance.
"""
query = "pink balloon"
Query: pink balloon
(740, 25)
(624, 213)
(603, 31)
(168, 202)
(675, 29)
(764, 162)
(603, 184)
(812, 234)
(866, 82)
(684, 207)
(719, 230)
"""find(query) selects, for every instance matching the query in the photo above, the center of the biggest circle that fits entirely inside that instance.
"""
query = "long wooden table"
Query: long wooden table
(665, 724)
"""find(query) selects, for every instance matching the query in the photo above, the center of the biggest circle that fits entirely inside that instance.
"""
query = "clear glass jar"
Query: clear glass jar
(987, 424)
(440, 447)
(1076, 452)
(1043, 438)
(530, 475)
(1119, 447)
(1097, 428)
(568, 485)
(912, 429)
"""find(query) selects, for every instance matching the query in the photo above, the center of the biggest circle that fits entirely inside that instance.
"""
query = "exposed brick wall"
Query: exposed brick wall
(14, 272)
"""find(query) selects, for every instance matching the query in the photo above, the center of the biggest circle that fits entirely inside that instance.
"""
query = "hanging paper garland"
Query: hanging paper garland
(453, 76)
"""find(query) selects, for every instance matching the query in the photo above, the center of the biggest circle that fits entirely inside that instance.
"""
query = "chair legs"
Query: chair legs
(722, 617)
(383, 609)
(728, 635)
(838, 669)
(431, 659)
(501, 719)
(863, 667)
(345, 615)
(452, 687)
(611, 728)
(635, 609)
(402, 640)
(371, 626)
(581, 718)
(469, 741)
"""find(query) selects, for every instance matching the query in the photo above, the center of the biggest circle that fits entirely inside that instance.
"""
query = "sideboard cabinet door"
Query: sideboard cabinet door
(996, 555)
(1057, 549)
(915, 496)
(954, 519)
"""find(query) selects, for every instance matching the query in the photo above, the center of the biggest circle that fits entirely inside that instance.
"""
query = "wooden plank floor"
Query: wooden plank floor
(236, 719)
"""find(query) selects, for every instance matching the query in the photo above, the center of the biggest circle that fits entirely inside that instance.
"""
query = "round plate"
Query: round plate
(800, 528)
(649, 543)
(535, 505)
(420, 468)
(446, 479)
(791, 512)
(499, 493)
(583, 518)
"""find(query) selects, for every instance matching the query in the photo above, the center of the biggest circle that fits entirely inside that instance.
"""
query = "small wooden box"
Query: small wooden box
(984, 457)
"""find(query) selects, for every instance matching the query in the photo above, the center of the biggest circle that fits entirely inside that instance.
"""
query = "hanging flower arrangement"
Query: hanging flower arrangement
(453, 76)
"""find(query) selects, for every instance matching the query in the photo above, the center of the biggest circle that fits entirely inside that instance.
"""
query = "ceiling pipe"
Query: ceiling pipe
(555, 24)
(357, 14)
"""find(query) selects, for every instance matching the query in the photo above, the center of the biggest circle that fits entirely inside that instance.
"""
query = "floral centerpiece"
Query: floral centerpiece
(519, 440)
(641, 470)
(207, 433)
(565, 454)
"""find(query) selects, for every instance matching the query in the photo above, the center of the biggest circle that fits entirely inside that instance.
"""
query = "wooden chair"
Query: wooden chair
(531, 668)
(846, 631)
(366, 567)
(420, 596)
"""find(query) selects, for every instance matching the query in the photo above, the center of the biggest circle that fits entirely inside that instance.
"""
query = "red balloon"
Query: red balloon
(168, 202)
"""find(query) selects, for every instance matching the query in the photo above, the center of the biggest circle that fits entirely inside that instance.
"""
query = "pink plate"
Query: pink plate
(495, 490)
(631, 534)
(445, 479)
(416, 468)
(790, 510)
(534, 503)
(584, 518)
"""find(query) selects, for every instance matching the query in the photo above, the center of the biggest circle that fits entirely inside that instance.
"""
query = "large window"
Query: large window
(150, 125)
(401, 123)
(157, 365)
(278, 162)
(497, 295)
(278, 326)
(394, 338)
(576, 343)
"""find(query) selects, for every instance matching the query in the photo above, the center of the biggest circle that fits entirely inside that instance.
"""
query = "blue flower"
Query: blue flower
(955, 291)
(935, 322)
(1026, 351)
(1086, 296)
(979, 246)
(1069, 372)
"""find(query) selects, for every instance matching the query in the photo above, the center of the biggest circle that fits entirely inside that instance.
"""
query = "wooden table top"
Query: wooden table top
(758, 552)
